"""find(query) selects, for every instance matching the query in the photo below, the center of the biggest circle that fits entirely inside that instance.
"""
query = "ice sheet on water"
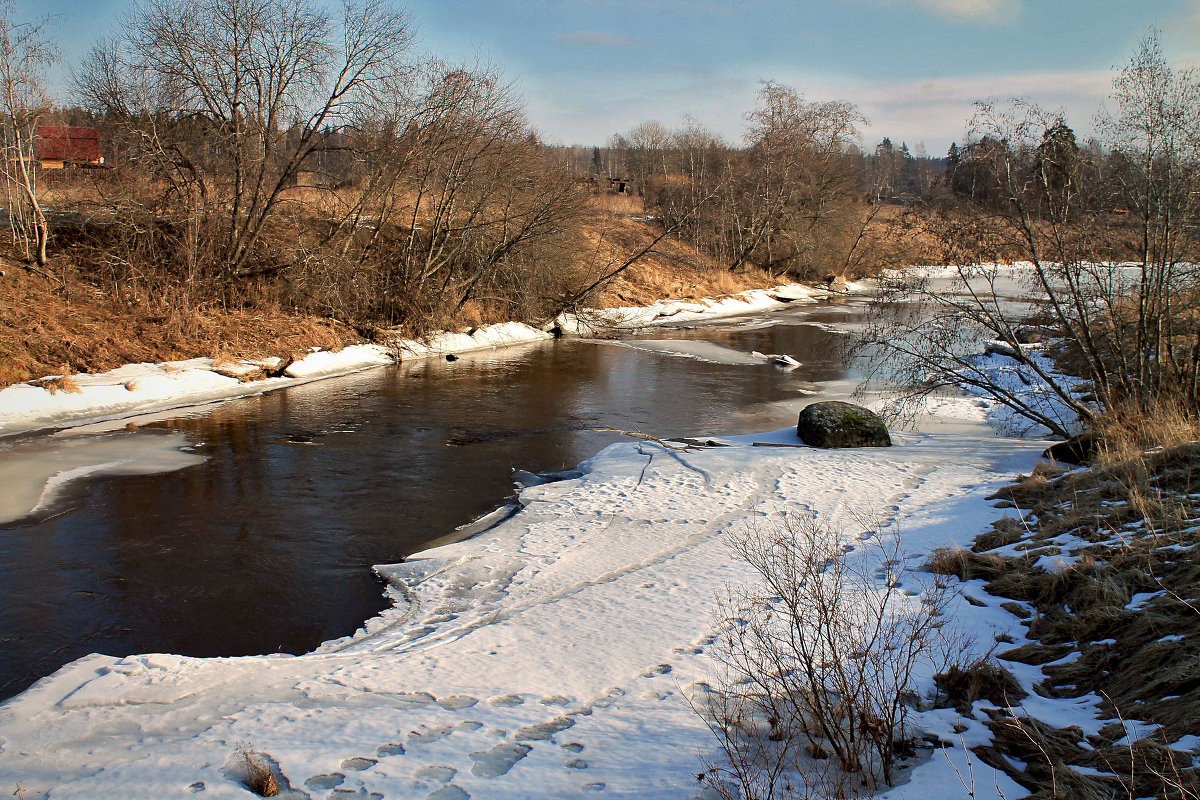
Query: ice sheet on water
(35, 475)
(702, 350)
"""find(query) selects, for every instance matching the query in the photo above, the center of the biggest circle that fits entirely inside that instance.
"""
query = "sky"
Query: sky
(589, 69)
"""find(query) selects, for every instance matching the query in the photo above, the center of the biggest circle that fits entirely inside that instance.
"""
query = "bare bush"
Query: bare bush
(821, 662)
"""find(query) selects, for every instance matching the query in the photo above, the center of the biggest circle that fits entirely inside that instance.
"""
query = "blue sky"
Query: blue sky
(591, 68)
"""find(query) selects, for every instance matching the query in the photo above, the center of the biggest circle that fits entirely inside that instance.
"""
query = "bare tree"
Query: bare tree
(231, 99)
(787, 202)
(25, 54)
(456, 204)
(1110, 243)
(647, 146)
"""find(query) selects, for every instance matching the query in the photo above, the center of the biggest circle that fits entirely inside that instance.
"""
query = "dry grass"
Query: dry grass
(260, 778)
(969, 565)
(627, 204)
(63, 383)
(672, 270)
(1126, 433)
(983, 679)
(63, 324)
(1126, 529)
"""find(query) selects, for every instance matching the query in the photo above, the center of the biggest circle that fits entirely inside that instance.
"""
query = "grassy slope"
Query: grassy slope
(55, 318)
(1102, 570)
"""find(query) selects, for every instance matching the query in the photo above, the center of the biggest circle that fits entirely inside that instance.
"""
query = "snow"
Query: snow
(701, 350)
(500, 335)
(557, 651)
(674, 312)
(145, 388)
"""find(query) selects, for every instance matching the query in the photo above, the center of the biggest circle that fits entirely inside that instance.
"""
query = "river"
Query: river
(265, 544)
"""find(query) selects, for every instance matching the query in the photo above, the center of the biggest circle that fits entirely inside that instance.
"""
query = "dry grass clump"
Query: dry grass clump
(968, 565)
(63, 383)
(1004, 531)
(260, 778)
(1048, 759)
(1126, 434)
(983, 679)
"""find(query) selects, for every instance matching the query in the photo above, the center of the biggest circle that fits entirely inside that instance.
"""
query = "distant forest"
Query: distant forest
(270, 154)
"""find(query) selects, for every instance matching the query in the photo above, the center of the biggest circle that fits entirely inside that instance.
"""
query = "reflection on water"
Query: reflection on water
(267, 544)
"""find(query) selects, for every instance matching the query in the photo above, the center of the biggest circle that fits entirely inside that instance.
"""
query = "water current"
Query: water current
(262, 537)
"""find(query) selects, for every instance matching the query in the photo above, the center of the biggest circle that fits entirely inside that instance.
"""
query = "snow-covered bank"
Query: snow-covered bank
(147, 388)
(675, 312)
(552, 656)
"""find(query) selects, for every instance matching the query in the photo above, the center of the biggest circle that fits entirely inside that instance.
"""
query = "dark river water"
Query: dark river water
(267, 545)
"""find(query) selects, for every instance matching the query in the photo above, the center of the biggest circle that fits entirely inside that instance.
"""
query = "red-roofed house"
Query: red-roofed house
(59, 146)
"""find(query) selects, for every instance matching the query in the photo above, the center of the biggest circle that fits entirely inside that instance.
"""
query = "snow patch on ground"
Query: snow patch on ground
(557, 651)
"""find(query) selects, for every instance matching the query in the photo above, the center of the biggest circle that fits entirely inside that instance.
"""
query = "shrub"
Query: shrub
(819, 663)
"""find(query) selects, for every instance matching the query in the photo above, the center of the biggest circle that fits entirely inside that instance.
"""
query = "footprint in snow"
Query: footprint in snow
(325, 781)
(574, 747)
(457, 702)
(428, 735)
(507, 700)
(543, 730)
(555, 700)
(416, 698)
(450, 792)
(608, 698)
(661, 669)
(355, 794)
(358, 764)
(499, 760)
(593, 787)
(436, 773)
(392, 749)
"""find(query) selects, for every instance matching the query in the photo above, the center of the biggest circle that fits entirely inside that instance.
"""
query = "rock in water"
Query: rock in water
(837, 424)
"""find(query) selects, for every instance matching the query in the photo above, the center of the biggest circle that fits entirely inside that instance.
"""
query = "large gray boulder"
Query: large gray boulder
(837, 424)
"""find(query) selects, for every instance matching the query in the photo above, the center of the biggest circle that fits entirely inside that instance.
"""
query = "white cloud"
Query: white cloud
(984, 11)
(935, 111)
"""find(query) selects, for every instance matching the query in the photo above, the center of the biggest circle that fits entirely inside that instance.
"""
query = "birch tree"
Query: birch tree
(25, 54)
